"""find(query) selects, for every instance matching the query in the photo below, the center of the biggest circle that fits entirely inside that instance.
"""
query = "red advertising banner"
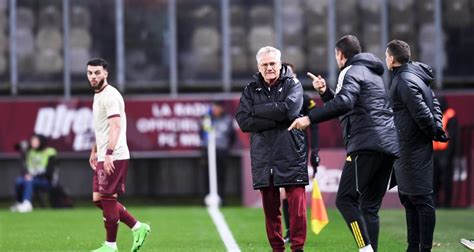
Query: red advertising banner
(153, 125)
(172, 126)
(67, 125)
(164, 125)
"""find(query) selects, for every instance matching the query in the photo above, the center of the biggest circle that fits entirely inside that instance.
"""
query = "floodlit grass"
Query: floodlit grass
(173, 229)
(191, 229)
(334, 237)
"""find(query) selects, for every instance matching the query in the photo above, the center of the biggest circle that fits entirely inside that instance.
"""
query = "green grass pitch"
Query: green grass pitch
(191, 229)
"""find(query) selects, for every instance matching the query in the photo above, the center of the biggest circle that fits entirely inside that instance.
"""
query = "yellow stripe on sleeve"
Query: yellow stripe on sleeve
(312, 104)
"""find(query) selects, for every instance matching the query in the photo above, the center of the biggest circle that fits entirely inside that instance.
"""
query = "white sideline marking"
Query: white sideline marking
(223, 229)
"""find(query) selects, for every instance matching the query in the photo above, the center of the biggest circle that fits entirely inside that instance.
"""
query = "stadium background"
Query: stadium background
(183, 53)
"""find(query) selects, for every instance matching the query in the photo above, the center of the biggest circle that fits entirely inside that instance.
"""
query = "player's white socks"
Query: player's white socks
(111, 244)
(136, 226)
(367, 249)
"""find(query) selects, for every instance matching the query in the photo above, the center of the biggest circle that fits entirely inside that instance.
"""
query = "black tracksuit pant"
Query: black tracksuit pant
(362, 187)
(421, 219)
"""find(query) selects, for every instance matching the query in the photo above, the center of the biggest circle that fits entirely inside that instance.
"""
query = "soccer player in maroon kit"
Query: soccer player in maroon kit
(109, 158)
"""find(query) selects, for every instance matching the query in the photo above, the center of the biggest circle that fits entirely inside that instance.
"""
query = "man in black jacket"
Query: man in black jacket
(267, 107)
(418, 119)
(361, 103)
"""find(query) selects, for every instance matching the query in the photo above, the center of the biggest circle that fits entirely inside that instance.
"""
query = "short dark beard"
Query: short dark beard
(98, 87)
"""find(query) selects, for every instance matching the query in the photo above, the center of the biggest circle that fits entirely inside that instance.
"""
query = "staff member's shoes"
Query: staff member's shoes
(468, 243)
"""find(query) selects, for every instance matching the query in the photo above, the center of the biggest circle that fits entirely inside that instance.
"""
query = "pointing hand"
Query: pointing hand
(318, 83)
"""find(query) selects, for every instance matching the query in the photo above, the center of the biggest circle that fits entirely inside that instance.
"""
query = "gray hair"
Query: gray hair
(266, 50)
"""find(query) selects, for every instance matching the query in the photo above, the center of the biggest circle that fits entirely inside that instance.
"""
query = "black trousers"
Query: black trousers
(421, 220)
(363, 184)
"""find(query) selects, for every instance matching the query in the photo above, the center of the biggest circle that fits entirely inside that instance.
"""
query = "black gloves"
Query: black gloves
(314, 159)
(441, 136)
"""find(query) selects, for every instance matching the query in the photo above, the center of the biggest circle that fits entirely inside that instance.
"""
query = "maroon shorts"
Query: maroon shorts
(113, 183)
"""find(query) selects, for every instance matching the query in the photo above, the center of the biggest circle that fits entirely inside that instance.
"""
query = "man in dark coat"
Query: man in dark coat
(267, 107)
(361, 103)
(418, 120)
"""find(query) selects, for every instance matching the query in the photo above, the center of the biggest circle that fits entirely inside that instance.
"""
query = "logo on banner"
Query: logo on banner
(62, 121)
(176, 124)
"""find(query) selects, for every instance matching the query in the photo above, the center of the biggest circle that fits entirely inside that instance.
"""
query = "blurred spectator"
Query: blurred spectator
(222, 124)
(444, 155)
(37, 171)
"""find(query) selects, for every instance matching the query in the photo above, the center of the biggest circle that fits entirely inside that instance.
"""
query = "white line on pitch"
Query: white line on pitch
(223, 229)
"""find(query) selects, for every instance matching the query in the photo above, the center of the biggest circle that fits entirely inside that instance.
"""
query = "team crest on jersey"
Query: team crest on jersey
(101, 177)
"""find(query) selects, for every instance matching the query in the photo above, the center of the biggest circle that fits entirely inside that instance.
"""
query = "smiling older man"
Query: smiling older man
(267, 107)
